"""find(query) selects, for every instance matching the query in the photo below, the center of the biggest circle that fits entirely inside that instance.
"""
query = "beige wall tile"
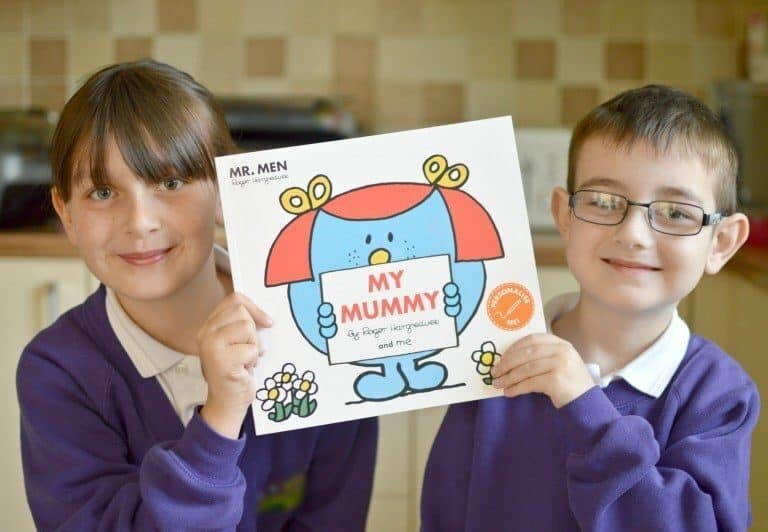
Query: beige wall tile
(133, 17)
(180, 51)
(485, 99)
(13, 15)
(90, 15)
(309, 57)
(177, 16)
(265, 56)
(358, 93)
(48, 96)
(580, 59)
(133, 48)
(577, 101)
(671, 19)
(399, 106)
(50, 16)
(400, 17)
(714, 60)
(624, 60)
(537, 18)
(444, 18)
(310, 17)
(311, 87)
(669, 60)
(715, 18)
(354, 56)
(536, 103)
(221, 63)
(489, 17)
(491, 58)
(48, 57)
(264, 87)
(12, 54)
(581, 17)
(221, 16)
(355, 17)
(266, 17)
(443, 103)
(88, 52)
(422, 59)
(535, 59)
(623, 19)
(11, 95)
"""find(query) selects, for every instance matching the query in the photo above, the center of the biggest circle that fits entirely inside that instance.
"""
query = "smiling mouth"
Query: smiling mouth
(629, 265)
(146, 257)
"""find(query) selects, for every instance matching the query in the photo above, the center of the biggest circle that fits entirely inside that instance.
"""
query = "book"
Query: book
(397, 268)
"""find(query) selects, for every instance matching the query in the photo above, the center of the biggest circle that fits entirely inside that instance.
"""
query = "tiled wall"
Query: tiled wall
(400, 63)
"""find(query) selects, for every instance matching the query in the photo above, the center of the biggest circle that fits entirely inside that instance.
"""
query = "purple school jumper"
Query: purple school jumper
(613, 460)
(103, 449)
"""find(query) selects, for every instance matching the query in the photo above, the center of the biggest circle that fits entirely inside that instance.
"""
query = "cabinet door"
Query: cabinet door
(34, 292)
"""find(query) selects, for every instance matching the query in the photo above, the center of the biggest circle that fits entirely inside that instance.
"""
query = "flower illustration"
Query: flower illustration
(305, 385)
(286, 377)
(486, 357)
(271, 394)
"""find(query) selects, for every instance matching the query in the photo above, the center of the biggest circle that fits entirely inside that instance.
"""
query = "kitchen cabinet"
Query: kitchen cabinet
(35, 291)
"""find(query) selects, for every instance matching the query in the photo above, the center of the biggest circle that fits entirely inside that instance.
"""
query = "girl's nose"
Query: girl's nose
(142, 215)
(379, 256)
(635, 230)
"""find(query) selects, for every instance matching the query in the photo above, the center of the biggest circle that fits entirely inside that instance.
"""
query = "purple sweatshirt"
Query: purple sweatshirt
(104, 449)
(614, 459)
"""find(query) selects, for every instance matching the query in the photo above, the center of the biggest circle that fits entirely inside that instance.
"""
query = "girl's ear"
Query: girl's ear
(61, 208)
(561, 212)
(219, 209)
(730, 234)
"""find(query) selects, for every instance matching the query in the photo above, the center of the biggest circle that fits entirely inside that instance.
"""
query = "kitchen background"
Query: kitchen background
(393, 65)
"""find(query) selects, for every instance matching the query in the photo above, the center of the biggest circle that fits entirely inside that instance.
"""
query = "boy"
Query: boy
(620, 419)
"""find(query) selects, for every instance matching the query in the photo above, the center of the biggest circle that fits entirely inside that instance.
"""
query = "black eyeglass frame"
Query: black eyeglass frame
(712, 218)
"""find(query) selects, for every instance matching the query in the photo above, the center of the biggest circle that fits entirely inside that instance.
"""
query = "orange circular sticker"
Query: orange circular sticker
(510, 306)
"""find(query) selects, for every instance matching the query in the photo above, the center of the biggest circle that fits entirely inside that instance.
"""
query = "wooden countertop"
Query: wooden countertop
(47, 242)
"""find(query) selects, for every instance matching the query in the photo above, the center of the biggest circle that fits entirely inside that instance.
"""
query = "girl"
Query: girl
(112, 433)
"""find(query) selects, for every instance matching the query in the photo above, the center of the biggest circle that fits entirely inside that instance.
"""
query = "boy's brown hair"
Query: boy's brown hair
(165, 124)
(669, 119)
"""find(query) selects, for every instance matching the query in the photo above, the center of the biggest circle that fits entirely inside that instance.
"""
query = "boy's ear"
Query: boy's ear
(561, 212)
(730, 234)
(60, 206)
(219, 209)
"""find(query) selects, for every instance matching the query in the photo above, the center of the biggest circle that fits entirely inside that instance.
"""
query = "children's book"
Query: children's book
(397, 268)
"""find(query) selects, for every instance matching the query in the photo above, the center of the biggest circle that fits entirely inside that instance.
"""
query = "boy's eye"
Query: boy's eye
(172, 184)
(100, 193)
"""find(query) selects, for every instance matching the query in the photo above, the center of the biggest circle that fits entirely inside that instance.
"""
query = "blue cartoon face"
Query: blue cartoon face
(422, 231)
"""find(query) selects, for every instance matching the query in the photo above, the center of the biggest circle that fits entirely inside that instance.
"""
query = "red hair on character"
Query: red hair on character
(475, 233)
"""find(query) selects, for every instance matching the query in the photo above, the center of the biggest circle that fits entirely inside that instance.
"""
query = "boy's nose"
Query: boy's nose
(635, 230)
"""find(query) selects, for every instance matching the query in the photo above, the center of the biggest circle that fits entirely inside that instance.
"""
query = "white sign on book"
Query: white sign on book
(397, 268)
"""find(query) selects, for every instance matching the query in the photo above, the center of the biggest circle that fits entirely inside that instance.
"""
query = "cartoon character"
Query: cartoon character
(378, 224)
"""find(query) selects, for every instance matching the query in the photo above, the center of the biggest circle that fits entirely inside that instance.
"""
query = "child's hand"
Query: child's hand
(229, 348)
(543, 363)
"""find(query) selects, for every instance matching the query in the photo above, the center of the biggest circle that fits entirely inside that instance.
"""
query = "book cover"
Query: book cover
(397, 268)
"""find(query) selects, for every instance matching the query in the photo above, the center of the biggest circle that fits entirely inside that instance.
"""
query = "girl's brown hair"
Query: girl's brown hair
(669, 119)
(165, 124)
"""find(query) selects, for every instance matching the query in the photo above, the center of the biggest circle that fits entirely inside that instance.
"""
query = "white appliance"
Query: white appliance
(543, 154)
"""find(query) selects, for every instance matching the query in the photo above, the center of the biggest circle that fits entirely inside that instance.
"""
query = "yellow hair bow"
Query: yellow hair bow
(296, 200)
(437, 172)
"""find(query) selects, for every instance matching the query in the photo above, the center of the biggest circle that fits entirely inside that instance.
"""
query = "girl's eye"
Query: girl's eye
(100, 193)
(390, 237)
(368, 239)
(172, 184)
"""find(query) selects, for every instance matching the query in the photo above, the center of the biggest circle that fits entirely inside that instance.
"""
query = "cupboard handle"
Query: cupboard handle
(52, 302)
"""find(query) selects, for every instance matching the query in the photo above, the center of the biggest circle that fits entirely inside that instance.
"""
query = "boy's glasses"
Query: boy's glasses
(668, 217)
